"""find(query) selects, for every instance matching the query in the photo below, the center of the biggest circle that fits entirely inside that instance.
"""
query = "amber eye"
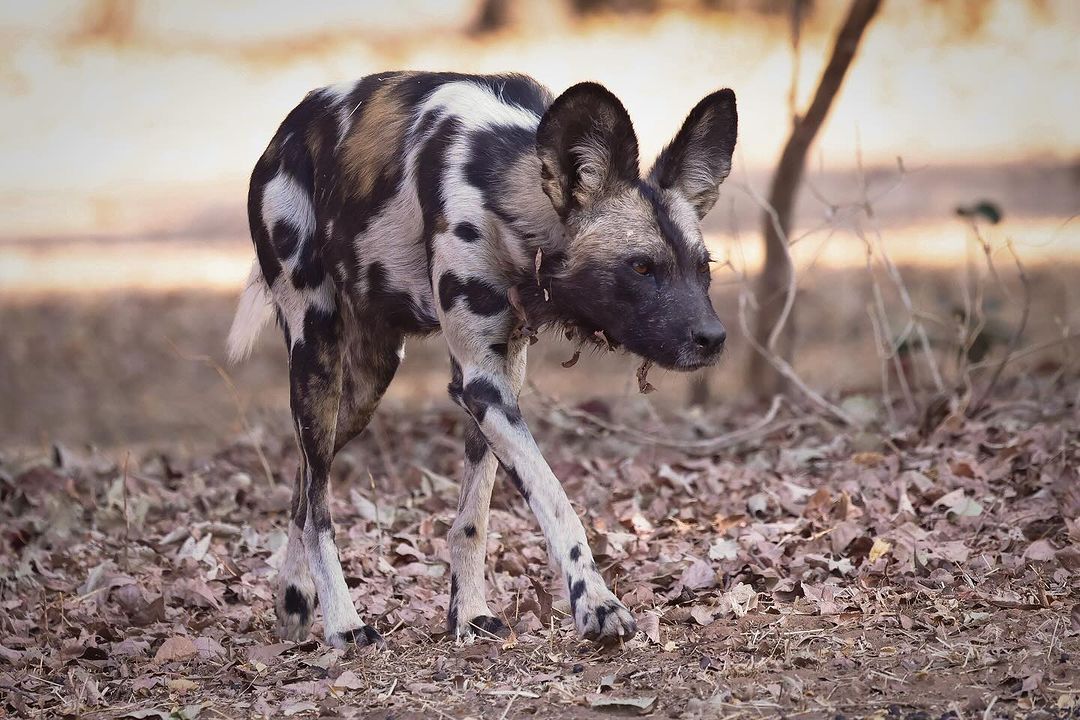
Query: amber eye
(643, 267)
(703, 266)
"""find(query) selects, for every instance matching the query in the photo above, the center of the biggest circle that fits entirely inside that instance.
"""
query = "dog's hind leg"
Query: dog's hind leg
(371, 354)
(469, 613)
(315, 374)
(295, 600)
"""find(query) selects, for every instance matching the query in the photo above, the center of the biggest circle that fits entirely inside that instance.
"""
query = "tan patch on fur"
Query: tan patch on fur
(441, 225)
(622, 225)
(375, 140)
(524, 186)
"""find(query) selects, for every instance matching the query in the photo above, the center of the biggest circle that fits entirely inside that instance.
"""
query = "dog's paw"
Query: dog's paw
(359, 637)
(485, 627)
(295, 607)
(598, 614)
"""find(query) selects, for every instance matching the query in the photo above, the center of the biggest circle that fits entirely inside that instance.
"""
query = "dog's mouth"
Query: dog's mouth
(689, 359)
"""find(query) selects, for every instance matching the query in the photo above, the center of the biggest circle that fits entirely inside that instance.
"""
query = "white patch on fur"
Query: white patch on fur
(295, 572)
(478, 107)
(294, 303)
(467, 554)
(339, 613)
(392, 239)
(284, 200)
(252, 314)
(338, 94)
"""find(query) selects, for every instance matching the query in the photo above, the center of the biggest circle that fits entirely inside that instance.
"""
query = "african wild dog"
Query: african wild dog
(408, 203)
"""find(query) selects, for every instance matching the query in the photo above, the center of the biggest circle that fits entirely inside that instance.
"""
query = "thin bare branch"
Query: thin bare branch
(1014, 341)
(237, 401)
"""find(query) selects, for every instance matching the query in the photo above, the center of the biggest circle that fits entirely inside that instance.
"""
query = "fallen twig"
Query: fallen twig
(704, 446)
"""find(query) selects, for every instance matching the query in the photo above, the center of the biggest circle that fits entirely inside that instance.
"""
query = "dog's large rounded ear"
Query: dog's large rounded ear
(699, 158)
(587, 147)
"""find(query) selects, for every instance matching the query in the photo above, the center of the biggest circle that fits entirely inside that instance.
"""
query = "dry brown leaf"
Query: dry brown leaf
(868, 459)
(644, 386)
(649, 625)
(639, 705)
(181, 685)
(175, 649)
(879, 549)
(699, 575)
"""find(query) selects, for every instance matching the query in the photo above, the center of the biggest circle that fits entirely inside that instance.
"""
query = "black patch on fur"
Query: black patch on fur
(481, 394)
(481, 298)
(449, 290)
(577, 589)
(499, 349)
(286, 238)
(295, 158)
(601, 615)
(430, 167)
(395, 307)
(284, 328)
(467, 232)
(488, 626)
(312, 364)
(426, 122)
(470, 531)
(515, 480)
(451, 615)
(455, 388)
(296, 603)
(364, 635)
(265, 170)
(492, 152)
(520, 90)
(476, 447)
(575, 552)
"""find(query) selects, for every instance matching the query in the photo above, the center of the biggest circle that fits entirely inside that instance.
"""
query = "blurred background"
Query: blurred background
(951, 150)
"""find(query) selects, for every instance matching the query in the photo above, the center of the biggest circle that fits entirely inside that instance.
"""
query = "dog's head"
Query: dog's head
(636, 266)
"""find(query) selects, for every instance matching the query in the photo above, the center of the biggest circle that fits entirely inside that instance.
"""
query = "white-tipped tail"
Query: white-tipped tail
(252, 314)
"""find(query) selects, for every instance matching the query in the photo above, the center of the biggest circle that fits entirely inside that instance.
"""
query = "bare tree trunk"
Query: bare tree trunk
(494, 15)
(775, 278)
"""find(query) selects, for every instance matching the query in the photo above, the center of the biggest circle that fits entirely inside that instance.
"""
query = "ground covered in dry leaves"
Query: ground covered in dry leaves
(811, 571)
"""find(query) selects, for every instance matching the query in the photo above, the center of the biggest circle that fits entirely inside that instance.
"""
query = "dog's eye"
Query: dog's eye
(643, 267)
(703, 267)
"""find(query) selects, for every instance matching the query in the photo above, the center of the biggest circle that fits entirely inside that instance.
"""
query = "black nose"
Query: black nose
(710, 338)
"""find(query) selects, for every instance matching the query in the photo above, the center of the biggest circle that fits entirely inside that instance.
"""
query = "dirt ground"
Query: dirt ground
(806, 571)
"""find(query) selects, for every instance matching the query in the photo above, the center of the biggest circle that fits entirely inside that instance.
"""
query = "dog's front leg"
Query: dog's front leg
(488, 393)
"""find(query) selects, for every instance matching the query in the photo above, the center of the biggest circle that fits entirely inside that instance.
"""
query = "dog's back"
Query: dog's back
(345, 201)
